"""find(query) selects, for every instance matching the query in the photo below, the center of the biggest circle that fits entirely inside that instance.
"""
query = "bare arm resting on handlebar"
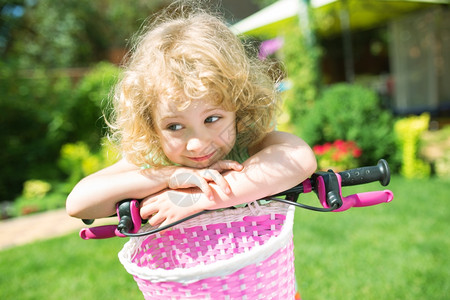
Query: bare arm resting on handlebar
(280, 162)
(327, 186)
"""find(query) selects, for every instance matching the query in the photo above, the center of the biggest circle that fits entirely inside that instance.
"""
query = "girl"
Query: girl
(194, 116)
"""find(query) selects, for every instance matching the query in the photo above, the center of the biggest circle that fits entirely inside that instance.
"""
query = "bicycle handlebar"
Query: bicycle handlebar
(327, 186)
(362, 175)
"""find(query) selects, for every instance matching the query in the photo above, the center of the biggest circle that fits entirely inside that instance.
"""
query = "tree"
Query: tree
(68, 33)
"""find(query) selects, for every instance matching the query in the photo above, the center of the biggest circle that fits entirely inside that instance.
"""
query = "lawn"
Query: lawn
(391, 251)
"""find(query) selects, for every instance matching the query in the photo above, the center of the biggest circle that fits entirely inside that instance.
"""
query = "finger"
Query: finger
(156, 219)
(147, 209)
(223, 165)
(186, 180)
(207, 191)
(215, 176)
(165, 223)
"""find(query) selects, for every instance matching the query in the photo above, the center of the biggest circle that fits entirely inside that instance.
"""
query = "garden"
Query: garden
(53, 133)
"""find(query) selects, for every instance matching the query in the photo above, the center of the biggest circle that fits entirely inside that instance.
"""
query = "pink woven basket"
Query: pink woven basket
(243, 253)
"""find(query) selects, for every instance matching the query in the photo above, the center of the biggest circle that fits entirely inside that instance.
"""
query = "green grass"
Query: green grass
(66, 268)
(392, 251)
(398, 250)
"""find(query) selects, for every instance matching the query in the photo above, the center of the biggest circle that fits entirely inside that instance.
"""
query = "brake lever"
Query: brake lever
(327, 186)
(329, 191)
(366, 199)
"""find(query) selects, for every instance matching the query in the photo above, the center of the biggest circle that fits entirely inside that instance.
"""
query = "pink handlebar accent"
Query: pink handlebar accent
(365, 199)
(107, 231)
(99, 232)
(135, 217)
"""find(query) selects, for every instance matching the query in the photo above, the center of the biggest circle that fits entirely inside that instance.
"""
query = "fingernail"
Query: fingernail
(228, 190)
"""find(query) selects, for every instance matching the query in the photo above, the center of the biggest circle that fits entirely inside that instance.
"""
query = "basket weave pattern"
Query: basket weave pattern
(249, 256)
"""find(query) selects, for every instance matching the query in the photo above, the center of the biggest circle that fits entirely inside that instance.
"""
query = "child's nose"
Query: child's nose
(196, 144)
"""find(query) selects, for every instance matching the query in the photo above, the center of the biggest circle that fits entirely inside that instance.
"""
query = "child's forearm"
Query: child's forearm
(281, 161)
(96, 196)
(270, 171)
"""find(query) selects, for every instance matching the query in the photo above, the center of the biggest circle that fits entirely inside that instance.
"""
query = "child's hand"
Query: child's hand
(169, 206)
(189, 177)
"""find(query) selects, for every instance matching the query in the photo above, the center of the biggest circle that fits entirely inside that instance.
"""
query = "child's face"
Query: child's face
(197, 136)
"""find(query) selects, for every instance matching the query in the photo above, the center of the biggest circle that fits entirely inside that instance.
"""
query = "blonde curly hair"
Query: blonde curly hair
(189, 54)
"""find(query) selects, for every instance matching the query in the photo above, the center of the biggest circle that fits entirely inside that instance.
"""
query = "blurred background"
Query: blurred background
(360, 80)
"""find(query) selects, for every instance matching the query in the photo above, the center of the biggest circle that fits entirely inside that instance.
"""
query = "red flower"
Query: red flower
(339, 154)
(319, 149)
(356, 152)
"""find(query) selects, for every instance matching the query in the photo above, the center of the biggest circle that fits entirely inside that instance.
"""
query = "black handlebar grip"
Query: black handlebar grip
(380, 173)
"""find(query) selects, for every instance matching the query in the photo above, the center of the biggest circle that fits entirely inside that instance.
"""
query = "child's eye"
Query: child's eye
(212, 119)
(175, 127)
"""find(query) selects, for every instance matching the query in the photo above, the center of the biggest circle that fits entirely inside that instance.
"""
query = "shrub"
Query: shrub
(91, 94)
(33, 105)
(301, 62)
(408, 132)
(351, 113)
(339, 155)
(78, 161)
(41, 111)
(37, 196)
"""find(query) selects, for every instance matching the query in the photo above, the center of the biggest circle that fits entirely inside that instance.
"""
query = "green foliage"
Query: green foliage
(408, 131)
(36, 189)
(68, 33)
(32, 127)
(85, 114)
(72, 158)
(301, 61)
(351, 113)
(41, 111)
(34, 192)
(38, 196)
(57, 28)
(77, 160)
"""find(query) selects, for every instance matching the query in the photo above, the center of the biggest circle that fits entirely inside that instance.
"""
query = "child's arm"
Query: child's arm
(96, 195)
(279, 162)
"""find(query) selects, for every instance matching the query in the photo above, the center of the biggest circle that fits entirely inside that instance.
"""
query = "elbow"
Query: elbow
(72, 208)
(312, 166)
(307, 162)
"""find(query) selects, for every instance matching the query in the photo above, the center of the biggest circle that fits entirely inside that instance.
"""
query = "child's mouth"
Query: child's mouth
(202, 158)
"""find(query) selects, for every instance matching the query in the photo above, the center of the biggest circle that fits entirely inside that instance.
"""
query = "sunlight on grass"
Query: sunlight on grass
(66, 268)
(392, 251)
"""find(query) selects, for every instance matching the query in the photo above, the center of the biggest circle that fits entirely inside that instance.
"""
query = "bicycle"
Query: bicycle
(244, 252)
